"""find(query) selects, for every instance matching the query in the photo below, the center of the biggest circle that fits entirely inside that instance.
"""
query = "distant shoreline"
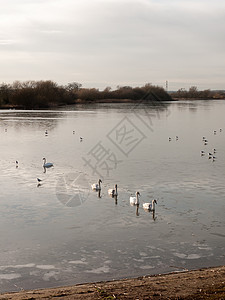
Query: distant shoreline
(97, 101)
(19, 107)
(207, 283)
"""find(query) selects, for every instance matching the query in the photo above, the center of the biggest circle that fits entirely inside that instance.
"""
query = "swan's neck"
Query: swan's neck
(44, 160)
(116, 189)
(99, 183)
(153, 205)
(137, 199)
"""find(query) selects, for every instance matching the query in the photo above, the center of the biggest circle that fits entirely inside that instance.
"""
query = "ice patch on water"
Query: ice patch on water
(108, 261)
(143, 254)
(189, 256)
(35, 273)
(45, 267)
(146, 267)
(180, 255)
(205, 248)
(30, 265)
(10, 276)
(50, 275)
(193, 256)
(139, 260)
(104, 269)
(78, 262)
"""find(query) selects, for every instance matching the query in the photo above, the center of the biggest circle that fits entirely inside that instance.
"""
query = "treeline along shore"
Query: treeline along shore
(47, 94)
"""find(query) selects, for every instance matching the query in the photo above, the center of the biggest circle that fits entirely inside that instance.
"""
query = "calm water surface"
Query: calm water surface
(60, 232)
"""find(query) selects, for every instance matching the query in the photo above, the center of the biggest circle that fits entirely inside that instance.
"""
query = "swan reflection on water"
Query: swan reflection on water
(148, 211)
(115, 197)
(137, 208)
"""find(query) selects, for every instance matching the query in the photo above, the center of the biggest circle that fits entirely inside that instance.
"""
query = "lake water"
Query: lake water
(60, 232)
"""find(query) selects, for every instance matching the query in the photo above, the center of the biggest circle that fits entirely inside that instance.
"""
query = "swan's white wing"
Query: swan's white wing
(133, 200)
(94, 186)
(111, 191)
(147, 205)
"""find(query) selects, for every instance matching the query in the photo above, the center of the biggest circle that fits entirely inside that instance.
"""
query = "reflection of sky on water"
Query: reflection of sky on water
(49, 238)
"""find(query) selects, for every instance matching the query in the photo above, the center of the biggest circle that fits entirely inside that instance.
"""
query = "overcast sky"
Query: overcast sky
(101, 43)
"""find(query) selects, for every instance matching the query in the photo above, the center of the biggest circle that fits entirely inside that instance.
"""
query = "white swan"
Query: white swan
(96, 186)
(135, 200)
(47, 165)
(150, 206)
(113, 192)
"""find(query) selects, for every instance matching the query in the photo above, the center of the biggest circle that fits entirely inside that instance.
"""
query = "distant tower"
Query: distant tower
(167, 86)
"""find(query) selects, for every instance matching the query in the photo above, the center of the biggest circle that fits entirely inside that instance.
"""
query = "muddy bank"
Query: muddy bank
(200, 284)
